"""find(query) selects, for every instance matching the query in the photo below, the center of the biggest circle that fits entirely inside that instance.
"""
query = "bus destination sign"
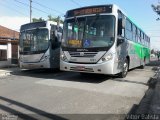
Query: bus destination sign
(90, 10)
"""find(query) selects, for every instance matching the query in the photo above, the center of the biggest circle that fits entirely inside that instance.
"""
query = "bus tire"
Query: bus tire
(143, 65)
(124, 72)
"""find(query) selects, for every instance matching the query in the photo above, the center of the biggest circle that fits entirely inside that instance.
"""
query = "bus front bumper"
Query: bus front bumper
(103, 68)
(36, 65)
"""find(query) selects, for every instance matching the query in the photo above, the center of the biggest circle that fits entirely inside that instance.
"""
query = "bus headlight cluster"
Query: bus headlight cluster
(63, 57)
(44, 57)
(107, 57)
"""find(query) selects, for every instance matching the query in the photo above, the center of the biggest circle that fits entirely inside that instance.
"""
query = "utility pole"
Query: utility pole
(58, 21)
(30, 11)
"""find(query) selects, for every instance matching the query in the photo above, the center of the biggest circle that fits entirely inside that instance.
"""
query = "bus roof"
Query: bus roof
(37, 24)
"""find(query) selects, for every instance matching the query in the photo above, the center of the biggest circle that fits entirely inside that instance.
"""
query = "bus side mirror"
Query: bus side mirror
(120, 41)
(121, 26)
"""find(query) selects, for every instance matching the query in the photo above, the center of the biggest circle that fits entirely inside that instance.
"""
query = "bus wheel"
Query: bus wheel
(143, 65)
(124, 72)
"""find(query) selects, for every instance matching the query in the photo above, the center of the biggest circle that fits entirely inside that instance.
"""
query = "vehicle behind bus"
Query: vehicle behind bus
(103, 40)
(40, 45)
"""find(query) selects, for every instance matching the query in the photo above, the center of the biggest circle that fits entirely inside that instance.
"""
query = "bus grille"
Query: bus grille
(83, 54)
(82, 70)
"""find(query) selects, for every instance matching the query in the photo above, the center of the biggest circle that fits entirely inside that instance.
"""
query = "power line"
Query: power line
(155, 36)
(32, 7)
(29, 6)
(47, 7)
(14, 4)
(21, 3)
(152, 30)
(76, 3)
(3, 5)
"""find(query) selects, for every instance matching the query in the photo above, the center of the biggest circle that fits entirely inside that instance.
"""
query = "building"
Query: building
(8, 46)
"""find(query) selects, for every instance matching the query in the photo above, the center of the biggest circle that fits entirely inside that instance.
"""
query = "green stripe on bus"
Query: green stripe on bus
(142, 51)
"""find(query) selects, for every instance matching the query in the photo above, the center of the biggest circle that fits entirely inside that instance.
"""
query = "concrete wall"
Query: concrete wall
(8, 48)
(4, 64)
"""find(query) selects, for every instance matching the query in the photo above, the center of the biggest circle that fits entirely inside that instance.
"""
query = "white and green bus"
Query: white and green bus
(102, 39)
(40, 45)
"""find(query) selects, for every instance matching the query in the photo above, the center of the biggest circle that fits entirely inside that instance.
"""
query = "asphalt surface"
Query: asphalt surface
(149, 106)
(48, 94)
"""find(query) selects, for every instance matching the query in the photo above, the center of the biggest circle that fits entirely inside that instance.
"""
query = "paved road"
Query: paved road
(56, 93)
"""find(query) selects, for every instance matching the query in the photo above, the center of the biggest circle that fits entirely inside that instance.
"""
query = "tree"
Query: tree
(156, 8)
(55, 19)
(38, 20)
(50, 18)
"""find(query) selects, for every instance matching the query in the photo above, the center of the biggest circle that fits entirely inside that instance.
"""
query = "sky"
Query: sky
(14, 13)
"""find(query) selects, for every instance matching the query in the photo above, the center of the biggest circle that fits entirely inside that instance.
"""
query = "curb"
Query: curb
(7, 73)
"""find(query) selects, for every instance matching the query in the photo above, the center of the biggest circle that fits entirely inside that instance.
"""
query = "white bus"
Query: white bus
(102, 39)
(40, 45)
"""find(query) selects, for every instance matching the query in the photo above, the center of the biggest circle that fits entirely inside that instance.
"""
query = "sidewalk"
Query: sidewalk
(7, 70)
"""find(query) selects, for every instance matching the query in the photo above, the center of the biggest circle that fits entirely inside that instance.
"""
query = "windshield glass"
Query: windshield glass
(34, 40)
(89, 32)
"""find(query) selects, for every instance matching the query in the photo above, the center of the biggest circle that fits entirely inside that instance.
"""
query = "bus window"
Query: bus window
(134, 33)
(128, 30)
(139, 36)
(120, 17)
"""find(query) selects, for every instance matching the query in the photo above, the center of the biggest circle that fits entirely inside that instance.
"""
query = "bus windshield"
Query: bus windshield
(34, 40)
(89, 32)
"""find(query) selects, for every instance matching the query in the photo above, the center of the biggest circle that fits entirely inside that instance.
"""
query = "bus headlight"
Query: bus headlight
(63, 57)
(44, 58)
(107, 57)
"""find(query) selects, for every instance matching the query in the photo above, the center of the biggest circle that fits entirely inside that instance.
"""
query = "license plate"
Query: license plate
(80, 67)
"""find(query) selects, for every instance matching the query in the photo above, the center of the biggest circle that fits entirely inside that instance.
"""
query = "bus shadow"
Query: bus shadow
(65, 76)
(88, 78)
(56, 74)
(37, 113)
(36, 72)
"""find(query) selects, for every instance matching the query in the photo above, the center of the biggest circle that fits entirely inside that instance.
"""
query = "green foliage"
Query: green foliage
(55, 19)
(38, 20)
(50, 18)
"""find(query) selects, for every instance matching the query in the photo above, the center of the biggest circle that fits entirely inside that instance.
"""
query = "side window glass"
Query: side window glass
(128, 30)
(121, 16)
